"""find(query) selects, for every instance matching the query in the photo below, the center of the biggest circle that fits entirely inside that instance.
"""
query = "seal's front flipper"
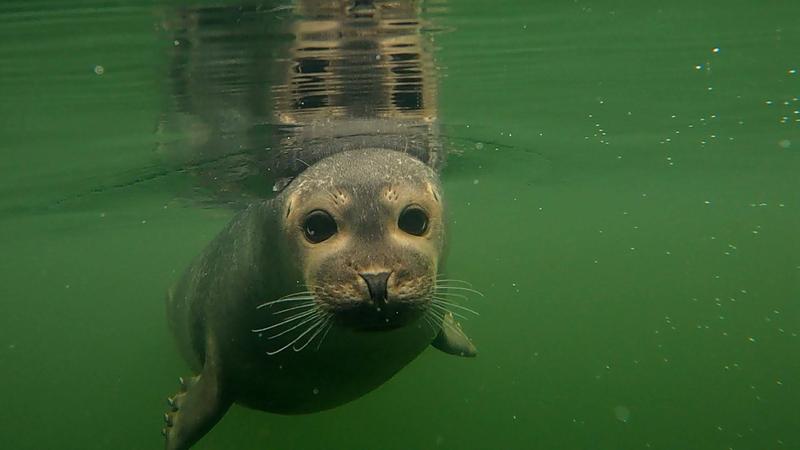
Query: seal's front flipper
(451, 339)
(195, 409)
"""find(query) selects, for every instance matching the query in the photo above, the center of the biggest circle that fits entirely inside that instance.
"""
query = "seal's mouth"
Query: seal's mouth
(364, 316)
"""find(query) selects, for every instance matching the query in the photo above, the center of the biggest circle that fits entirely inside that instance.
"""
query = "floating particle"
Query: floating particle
(479, 145)
(715, 50)
(622, 413)
(784, 143)
(99, 70)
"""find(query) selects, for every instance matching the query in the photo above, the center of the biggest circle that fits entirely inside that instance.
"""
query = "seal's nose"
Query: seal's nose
(376, 283)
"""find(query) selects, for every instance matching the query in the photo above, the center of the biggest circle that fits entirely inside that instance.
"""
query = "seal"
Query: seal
(327, 281)
(315, 297)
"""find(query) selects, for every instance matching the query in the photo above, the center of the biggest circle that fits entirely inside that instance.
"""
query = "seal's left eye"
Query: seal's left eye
(413, 220)
(319, 226)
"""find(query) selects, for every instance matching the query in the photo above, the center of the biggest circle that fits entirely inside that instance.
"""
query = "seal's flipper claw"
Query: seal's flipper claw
(452, 340)
(192, 413)
(197, 408)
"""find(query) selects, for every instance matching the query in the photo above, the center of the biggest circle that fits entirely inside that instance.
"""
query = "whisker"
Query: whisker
(296, 294)
(430, 325)
(284, 300)
(308, 305)
(275, 352)
(325, 334)
(285, 321)
(321, 324)
(453, 280)
(451, 294)
(310, 318)
(442, 301)
(445, 310)
(460, 288)
(447, 324)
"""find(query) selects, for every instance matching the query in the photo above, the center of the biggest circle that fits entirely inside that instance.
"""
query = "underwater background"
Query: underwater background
(622, 182)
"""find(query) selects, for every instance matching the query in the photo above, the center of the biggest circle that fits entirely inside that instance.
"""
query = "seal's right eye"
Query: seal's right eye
(319, 226)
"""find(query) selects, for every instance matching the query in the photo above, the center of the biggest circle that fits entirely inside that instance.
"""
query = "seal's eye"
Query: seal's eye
(413, 220)
(319, 226)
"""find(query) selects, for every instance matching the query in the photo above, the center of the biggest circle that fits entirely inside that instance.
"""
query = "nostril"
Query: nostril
(377, 286)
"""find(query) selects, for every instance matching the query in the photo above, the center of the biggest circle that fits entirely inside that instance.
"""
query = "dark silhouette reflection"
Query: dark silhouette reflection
(257, 92)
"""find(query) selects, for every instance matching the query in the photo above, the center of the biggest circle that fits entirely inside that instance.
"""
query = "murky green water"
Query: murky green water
(622, 186)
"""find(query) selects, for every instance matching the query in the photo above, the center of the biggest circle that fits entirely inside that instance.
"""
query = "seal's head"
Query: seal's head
(367, 229)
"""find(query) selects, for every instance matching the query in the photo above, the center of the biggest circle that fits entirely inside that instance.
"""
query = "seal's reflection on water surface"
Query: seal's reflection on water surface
(318, 294)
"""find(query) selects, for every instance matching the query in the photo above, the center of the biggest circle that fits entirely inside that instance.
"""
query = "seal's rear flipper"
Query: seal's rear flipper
(451, 339)
(195, 409)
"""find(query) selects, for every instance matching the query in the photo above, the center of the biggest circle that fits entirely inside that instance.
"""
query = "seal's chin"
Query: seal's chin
(371, 317)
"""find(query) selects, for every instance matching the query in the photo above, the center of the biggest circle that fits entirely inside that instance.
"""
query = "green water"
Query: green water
(623, 188)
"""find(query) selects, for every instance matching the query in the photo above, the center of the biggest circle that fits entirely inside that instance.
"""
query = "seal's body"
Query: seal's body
(316, 296)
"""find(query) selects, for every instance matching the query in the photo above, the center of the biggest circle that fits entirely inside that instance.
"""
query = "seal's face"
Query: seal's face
(367, 228)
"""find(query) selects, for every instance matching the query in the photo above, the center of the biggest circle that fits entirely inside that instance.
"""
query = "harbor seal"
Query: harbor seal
(315, 297)
(327, 281)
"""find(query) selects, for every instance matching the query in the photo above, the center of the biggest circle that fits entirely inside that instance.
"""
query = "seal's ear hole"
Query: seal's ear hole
(432, 191)
(319, 226)
(413, 220)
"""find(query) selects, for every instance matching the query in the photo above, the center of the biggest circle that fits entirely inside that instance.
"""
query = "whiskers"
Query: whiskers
(301, 321)
(443, 303)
